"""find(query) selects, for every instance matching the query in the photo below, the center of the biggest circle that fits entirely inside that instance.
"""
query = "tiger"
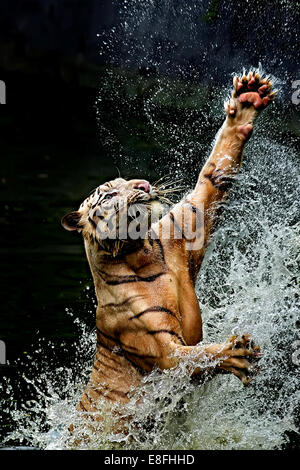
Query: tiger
(148, 315)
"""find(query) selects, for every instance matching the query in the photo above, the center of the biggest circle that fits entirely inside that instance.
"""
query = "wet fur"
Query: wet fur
(148, 314)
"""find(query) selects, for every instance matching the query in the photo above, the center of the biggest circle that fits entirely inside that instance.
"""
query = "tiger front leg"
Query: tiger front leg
(238, 356)
(251, 94)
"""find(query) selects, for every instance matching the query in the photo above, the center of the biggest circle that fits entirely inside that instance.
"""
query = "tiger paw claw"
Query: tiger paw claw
(242, 358)
(253, 90)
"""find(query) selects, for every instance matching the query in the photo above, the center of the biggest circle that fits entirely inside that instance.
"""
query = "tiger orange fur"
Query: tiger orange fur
(148, 314)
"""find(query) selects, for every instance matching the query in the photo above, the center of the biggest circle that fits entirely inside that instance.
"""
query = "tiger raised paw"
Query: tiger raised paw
(148, 314)
(251, 94)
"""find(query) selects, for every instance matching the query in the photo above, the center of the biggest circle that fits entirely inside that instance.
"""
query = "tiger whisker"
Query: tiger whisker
(169, 183)
(164, 199)
(157, 181)
(170, 190)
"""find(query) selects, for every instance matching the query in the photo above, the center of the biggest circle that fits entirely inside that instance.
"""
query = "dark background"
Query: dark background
(53, 146)
(51, 157)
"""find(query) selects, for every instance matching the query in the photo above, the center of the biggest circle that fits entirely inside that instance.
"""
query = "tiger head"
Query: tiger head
(117, 214)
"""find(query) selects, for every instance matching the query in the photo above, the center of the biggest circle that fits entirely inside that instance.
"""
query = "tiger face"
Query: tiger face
(118, 213)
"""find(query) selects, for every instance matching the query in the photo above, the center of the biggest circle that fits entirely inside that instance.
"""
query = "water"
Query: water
(249, 281)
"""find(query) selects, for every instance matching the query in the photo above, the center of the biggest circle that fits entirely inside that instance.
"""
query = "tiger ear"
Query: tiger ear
(71, 221)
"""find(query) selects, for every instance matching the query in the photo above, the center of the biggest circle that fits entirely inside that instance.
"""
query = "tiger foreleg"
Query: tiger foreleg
(250, 96)
(237, 355)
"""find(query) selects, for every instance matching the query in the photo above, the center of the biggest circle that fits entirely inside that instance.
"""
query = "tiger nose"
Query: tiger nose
(145, 186)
